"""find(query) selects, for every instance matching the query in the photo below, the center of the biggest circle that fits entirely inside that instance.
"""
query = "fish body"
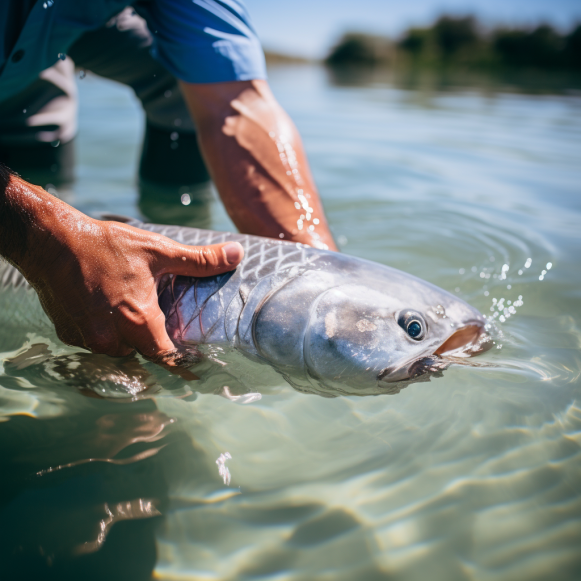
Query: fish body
(328, 322)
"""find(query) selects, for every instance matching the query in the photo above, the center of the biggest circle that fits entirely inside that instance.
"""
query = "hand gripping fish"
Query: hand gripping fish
(328, 322)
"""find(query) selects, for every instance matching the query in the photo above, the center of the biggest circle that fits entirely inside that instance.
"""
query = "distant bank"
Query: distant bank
(463, 41)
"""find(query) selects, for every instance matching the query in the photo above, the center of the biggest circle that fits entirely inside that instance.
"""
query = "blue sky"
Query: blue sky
(310, 27)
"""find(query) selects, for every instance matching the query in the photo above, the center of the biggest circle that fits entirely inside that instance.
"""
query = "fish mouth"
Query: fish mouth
(466, 341)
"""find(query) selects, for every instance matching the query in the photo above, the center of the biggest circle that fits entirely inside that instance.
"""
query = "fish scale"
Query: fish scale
(328, 322)
(211, 310)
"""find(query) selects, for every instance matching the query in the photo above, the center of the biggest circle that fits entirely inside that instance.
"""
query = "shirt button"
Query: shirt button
(17, 56)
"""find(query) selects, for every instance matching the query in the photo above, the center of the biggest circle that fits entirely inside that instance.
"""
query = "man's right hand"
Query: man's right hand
(97, 281)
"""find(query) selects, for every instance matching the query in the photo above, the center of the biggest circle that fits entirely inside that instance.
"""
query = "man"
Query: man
(198, 69)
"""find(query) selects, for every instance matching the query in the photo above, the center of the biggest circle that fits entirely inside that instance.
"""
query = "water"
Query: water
(474, 475)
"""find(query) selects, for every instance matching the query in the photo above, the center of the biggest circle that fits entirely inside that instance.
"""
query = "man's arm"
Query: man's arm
(256, 159)
(97, 281)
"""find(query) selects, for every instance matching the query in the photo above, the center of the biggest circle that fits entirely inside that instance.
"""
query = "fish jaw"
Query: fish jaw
(467, 340)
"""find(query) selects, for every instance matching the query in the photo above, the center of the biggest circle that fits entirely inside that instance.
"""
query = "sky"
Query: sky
(310, 27)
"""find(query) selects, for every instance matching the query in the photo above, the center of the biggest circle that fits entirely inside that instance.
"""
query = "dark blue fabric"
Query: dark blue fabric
(199, 41)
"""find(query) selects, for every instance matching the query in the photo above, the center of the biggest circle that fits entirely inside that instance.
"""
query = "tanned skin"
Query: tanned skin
(257, 161)
(97, 281)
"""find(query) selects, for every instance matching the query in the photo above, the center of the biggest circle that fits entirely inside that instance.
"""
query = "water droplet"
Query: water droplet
(167, 94)
(281, 235)
(62, 56)
(528, 262)
(174, 135)
(486, 293)
(520, 272)
(177, 122)
(549, 265)
(508, 286)
(186, 199)
(440, 310)
(461, 271)
(56, 142)
(24, 110)
(82, 74)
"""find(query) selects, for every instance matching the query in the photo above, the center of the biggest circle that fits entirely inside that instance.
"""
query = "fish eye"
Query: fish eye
(414, 329)
(413, 324)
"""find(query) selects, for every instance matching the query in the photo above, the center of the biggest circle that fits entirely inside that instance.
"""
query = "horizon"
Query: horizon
(323, 22)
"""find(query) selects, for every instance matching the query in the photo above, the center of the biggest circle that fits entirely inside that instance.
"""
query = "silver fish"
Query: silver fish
(328, 322)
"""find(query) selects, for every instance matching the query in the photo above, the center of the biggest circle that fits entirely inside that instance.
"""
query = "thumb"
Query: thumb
(199, 260)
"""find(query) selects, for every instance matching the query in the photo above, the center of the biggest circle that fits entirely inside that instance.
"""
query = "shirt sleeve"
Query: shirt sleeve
(204, 41)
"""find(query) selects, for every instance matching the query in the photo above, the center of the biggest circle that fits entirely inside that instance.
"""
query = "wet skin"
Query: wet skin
(256, 159)
(97, 281)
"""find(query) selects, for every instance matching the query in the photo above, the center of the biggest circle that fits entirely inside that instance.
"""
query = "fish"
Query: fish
(328, 322)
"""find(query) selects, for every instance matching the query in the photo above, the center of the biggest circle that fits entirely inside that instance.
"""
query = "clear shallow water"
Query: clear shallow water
(474, 475)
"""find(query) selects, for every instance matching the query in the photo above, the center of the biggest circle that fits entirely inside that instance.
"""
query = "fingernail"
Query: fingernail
(233, 252)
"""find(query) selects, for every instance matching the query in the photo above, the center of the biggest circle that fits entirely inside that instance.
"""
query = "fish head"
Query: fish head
(376, 332)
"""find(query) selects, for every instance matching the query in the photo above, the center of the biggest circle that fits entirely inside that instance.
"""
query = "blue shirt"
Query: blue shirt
(198, 41)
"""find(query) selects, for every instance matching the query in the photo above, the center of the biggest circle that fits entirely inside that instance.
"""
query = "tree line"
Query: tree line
(453, 40)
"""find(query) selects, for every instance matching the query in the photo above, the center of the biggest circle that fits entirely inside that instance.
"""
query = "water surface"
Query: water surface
(474, 475)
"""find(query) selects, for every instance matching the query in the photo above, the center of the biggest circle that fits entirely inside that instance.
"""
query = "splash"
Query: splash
(223, 469)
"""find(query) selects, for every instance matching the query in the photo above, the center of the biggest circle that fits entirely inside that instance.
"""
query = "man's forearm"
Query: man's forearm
(256, 159)
(97, 281)
(13, 219)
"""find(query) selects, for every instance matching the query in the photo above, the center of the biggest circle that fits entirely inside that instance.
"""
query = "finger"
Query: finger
(104, 341)
(153, 342)
(200, 260)
(148, 336)
(177, 362)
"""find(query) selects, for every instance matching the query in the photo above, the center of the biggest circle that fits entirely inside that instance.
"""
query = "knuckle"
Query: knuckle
(101, 345)
(209, 259)
(68, 337)
(100, 341)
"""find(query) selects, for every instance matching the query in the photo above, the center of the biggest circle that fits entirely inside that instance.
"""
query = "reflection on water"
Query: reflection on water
(473, 475)
(71, 478)
(183, 206)
(434, 80)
